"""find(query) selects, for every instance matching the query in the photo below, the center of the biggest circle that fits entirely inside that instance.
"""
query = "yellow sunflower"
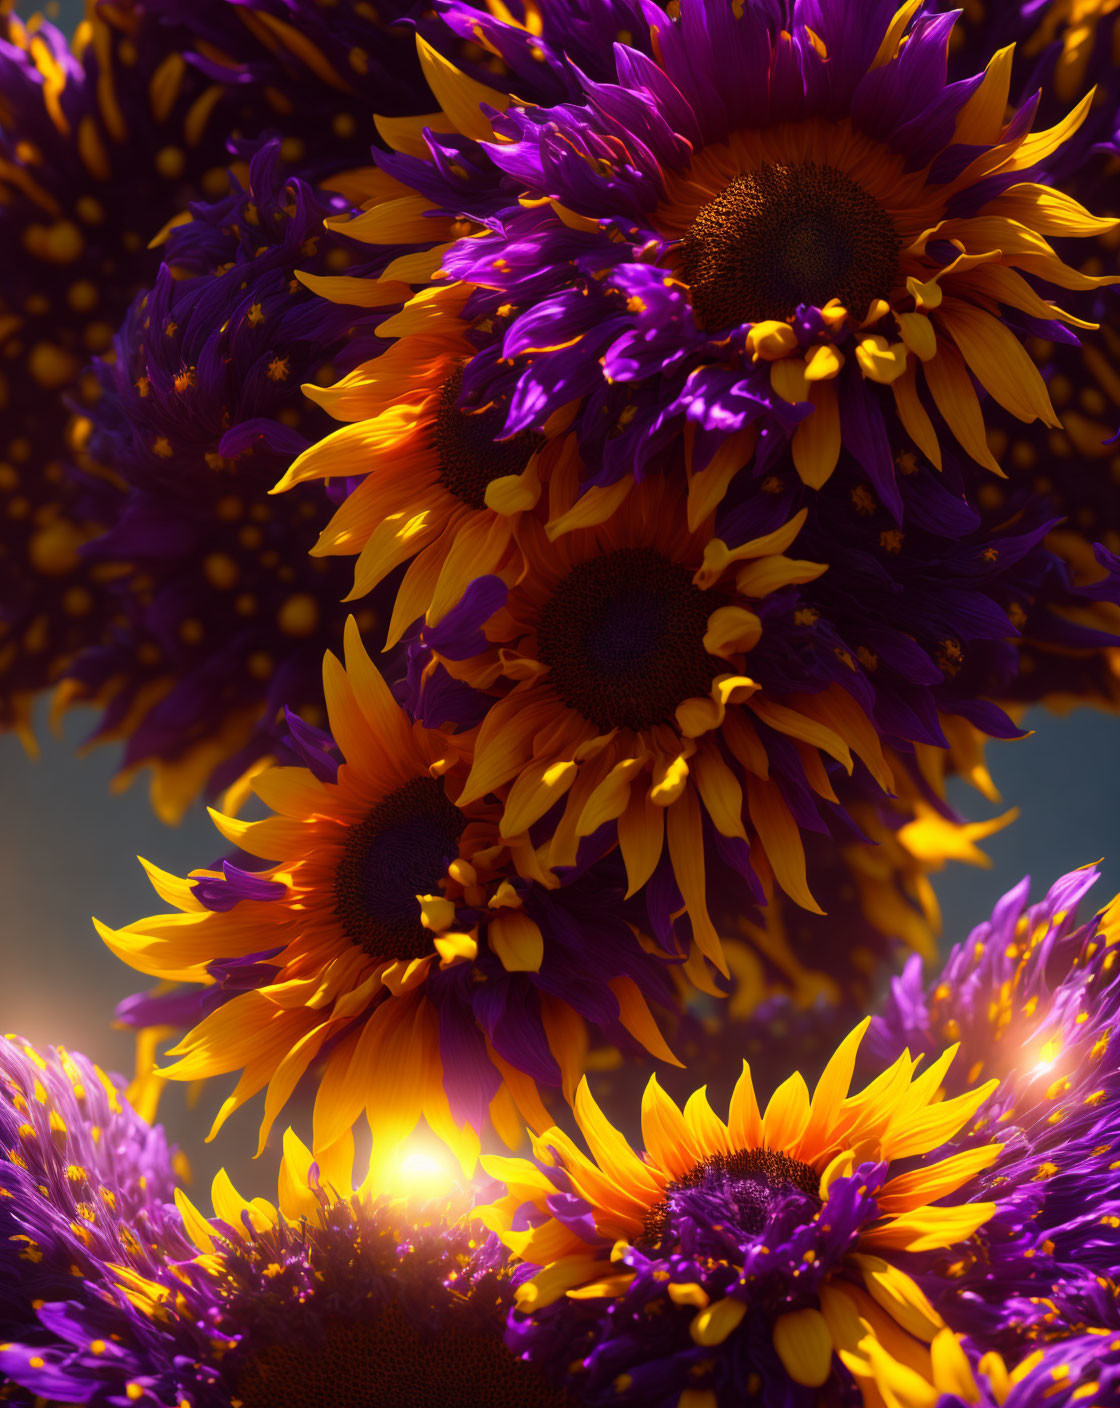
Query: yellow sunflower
(767, 1248)
(442, 491)
(391, 943)
(623, 664)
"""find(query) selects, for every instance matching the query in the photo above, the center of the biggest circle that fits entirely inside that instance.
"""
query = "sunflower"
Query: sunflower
(85, 1184)
(794, 223)
(393, 942)
(221, 619)
(728, 1260)
(335, 1295)
(1033, 998)
(619, 661)
(445, 491)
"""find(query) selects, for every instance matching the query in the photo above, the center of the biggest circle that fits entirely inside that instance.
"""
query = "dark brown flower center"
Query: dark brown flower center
(401, 850)
(753, 1183)
(386, 1361)
(470, 457)
(781, 236)
(623, 637)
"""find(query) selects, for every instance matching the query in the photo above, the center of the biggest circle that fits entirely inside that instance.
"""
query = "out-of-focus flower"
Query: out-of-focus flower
(393, 942)
(100, 146)
(1033, 999)
(221, 617)
(1065, 47)
(767, 1257)
(86, 1185)
(335, 1297)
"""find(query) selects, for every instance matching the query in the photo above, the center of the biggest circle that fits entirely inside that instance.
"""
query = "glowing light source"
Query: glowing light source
(1047, 1056)
(420, 1169)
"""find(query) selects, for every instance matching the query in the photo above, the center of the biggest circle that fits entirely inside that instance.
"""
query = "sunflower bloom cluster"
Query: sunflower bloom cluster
(577, 485)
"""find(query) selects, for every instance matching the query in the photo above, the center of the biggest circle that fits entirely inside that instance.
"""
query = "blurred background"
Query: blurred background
(68, 850)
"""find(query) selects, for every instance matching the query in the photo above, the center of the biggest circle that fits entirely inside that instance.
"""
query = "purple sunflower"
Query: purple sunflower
(101, 144)
(772, 218)
(338, 1296)
(86, 1184)
(220, 616)
(1031, 998)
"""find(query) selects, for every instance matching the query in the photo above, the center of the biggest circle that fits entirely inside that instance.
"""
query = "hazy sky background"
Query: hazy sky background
(68, 848)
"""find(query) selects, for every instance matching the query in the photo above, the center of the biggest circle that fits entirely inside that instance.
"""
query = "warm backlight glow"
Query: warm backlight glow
(420, 1169)
(1047, 1056)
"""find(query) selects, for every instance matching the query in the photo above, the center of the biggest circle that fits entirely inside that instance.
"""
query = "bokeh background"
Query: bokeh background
(68, 850)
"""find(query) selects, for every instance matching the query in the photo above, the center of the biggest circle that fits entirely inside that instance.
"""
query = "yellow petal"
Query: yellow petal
(685, 835)
(667, 1138)
(832, 1088)
(455, 948)
(899, 1296)
(823, 362)
(771, 574)
(804, 1346)
(930, 1229)
(706, 487)
(406, 134)
(787, 377)
(689, 1293)
(980, 121)
(952, 1372)
(635, 1016)
(955, 398)
(816, 441)
(517, 940)
(879, 360)
(534, 792)
(611, 797)
(713, 1325)
(458, 95)
(720, 792)
(781, 839)
(744, 1122)
(594, 506)
(641, 837)
(931, 1182)
(892, 38)
(999, 361)
(787, 1114)
(914, 416)
(732, 630)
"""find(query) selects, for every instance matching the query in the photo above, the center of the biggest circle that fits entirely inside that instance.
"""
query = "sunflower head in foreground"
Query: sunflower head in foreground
(769, 217)
(334, 1298)
(762, 1259)
(85, 1184)
(393, 942)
